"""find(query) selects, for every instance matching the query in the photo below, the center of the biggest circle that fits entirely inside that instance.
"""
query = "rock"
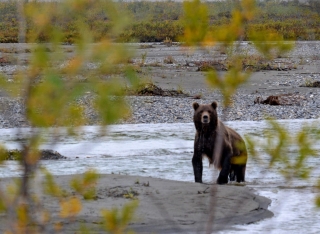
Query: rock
(45, 155)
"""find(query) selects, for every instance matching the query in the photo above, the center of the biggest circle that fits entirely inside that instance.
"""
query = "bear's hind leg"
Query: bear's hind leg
(232, 174)
(240, 171)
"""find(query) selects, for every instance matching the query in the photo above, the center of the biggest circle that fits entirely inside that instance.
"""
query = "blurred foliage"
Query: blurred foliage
(241, 24)
(270, 50)
(289, 154)
(278, 143)
(86, 185)
(164, 19)
(116, 221)
(235, 76)
(229, 82)
(52, 87)
(53, 83)
(196, 22)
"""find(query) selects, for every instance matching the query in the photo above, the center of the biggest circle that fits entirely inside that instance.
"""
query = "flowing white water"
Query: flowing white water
(165, 151)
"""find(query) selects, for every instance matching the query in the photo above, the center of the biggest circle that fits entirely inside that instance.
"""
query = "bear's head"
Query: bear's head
(205, 116)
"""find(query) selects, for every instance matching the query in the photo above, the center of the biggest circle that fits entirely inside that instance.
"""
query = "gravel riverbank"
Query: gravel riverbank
(182, 74)
(172, 110)
(158, 109)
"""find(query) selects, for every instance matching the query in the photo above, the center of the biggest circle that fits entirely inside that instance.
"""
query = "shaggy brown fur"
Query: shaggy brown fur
(223, 146)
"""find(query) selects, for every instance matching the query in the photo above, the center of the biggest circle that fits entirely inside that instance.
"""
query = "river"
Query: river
(165, 151)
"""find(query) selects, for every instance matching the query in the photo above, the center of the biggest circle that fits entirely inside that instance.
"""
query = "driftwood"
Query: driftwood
(149, 89)
(256, 64)
(314, 84)
(282, 99)
(211, 65)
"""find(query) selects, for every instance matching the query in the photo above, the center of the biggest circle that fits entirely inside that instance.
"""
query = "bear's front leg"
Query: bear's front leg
(197, 168)
(224, 173)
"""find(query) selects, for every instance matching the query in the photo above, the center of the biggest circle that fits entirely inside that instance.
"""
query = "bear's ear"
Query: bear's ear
(195, 105)
(214, 105)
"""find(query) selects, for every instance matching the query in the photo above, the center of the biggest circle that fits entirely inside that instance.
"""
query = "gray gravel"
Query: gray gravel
(306, 55)
(158, 109)
(179, 110)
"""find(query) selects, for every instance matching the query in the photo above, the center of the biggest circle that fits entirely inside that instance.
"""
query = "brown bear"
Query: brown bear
(230, 158)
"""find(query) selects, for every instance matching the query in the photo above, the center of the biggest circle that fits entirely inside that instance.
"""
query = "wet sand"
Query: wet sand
(165, 206)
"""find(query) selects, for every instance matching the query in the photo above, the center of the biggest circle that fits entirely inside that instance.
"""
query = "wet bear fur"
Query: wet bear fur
(210, 132)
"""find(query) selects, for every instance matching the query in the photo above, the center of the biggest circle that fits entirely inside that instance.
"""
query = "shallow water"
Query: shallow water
(165, 151)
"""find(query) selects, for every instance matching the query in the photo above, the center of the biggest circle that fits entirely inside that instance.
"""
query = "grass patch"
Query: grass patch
(169, 60)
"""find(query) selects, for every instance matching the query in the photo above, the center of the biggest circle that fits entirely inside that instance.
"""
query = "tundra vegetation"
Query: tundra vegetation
(156, 21)
(53, 81)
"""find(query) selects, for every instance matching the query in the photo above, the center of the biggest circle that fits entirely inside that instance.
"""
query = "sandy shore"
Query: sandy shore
(164, 206)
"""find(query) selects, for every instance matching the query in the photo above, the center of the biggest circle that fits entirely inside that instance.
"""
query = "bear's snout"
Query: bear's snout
(205, 118)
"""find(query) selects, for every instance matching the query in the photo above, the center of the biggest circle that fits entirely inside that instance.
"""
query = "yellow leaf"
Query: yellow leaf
(22, 215)
(45, 216)
(32, 157)
(248, 9)
(196, 22)
(8, 232)
(74, 65)
(115, 220)
(70, 207)
(58, 227)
